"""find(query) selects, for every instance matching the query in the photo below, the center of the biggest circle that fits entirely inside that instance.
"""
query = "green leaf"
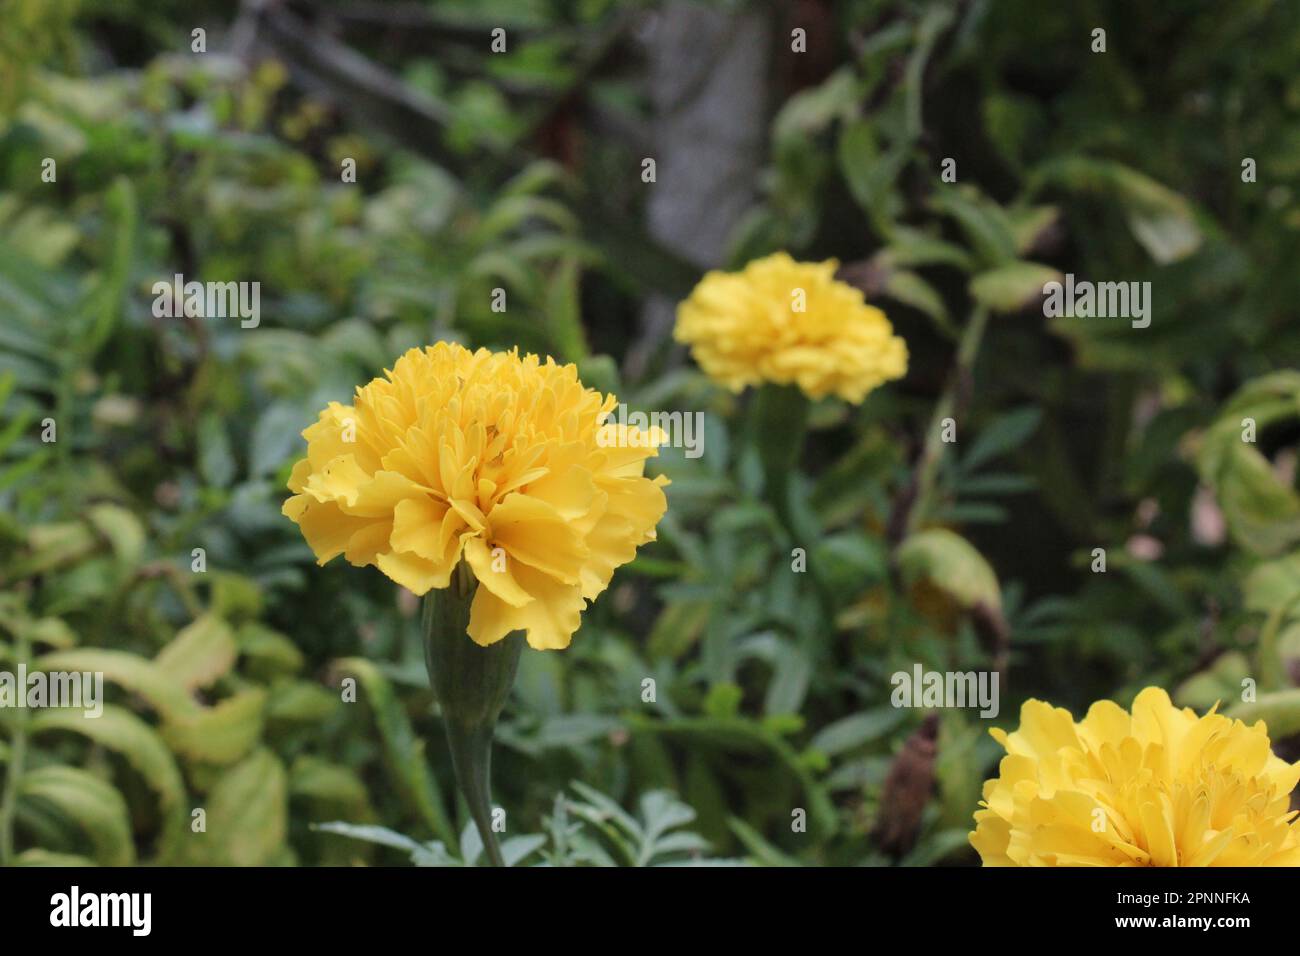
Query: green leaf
(235, 596)
(934, 848)
(1273, 584)
(953, 565)
(267, 654)
(511, 212)
(223, 733)
(93, 805)
(53, 545)
(1012, 287)
(200, 653)
(370, 833)
(871, 175)
(661, 812)
(247, 814)
(811, 111)
(108, 300)
(1222, 682)
(51, 631)
(1262, 511)
(1162, 221)
(329, 788)
(985, 223)
(910, 289)
(300, 702)
(1029, 222)
(758, 847)
(216, 460)
(517, 849)
(1006, 433)
(275, 438)
(39, 857)
(792, 671)
(122, 732)
(910, 248)
(853, 731)
(404, 751)
(607, 808)
(536, 177)
(131, 672)
(122, 529)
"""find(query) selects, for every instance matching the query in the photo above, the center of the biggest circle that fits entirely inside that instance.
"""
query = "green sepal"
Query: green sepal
(471, 684)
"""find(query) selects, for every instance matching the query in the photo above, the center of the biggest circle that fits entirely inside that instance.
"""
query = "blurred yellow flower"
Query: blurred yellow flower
(489, 457)
(1159, 788)
(788, 323)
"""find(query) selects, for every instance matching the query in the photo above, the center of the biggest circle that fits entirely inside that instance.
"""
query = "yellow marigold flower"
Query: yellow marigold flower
(455, 454)
(1159, 788)
(789, 323)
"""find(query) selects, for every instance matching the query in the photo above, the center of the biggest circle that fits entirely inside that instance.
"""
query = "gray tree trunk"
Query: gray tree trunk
(709, 71)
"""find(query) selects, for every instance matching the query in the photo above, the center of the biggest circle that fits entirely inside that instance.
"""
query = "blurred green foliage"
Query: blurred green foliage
(772, 687)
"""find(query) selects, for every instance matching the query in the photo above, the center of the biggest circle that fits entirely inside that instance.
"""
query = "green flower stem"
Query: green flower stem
(779, 426)
(780, 422)
(471, 684)
(928, 467)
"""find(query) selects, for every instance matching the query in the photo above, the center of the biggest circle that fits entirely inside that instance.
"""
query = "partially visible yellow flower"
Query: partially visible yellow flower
(1159, 788)
(790, 323)
(491, 458)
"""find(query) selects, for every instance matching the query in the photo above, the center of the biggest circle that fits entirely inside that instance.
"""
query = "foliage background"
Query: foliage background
(522, 170)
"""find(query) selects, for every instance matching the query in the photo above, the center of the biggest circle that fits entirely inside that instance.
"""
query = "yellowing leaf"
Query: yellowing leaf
(953, 565)
(247, 816)
(223, 733)
(200, 653)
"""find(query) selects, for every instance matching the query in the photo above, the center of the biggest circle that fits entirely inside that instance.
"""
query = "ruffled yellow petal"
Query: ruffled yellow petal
(499, 460)
(326, 528)
(790, 323)
(548, 620)
(1155, 787)
(494, 574)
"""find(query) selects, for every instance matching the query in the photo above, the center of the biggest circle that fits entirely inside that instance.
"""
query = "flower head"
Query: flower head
(489, 458)
(789, 323)
(1160, 787)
